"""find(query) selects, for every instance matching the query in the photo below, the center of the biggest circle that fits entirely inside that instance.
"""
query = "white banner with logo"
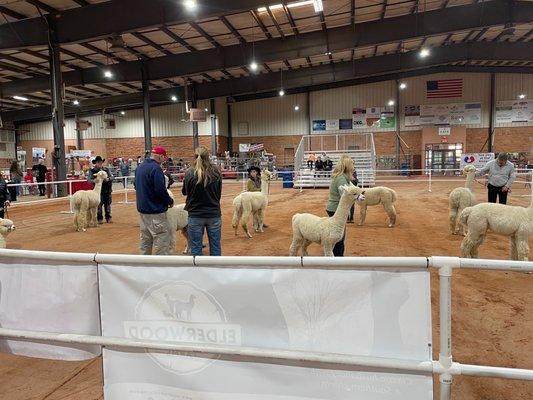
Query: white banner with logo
(514, 111)
(478, 160)
(40, 296)
(349, 312)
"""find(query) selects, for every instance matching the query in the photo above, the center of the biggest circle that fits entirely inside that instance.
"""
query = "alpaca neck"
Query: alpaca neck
(3, 242)
(98, 187)
(341, 214)
(264, 187)
(470, 180)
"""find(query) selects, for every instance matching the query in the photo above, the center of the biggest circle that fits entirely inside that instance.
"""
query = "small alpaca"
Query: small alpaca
(515, 222)
(327, 231)
(251, 203)
(379, 195)
(6, 227)
(178, 219)
(177, 307)
(85, 204)
(460, 198)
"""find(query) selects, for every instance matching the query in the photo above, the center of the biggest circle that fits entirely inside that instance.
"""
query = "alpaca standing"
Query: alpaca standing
(515, 222)
(460, 198)
(6, 227)
(251, 203)
(379, 195)
(327, 231)
(178, 219)
(85, 204)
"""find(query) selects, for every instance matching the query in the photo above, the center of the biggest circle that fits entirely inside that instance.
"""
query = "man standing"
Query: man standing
(501, 175)
(153, 201)
(40, 171)
(4, 195)
(107, 189)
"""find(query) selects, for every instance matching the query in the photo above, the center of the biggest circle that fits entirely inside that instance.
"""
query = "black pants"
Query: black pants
(338, 250)
(352, 211)
(497, 192)
(42, 187)
(13, 192)
(310, 164)
(105, 204)
(2, 212)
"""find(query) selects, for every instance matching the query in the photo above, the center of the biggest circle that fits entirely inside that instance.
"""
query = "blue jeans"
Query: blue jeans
(195, 229)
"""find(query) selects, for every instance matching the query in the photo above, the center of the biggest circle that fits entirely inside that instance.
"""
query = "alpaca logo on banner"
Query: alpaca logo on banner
(181, 311)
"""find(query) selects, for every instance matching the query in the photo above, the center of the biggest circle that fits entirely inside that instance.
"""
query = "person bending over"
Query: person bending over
(501, 175)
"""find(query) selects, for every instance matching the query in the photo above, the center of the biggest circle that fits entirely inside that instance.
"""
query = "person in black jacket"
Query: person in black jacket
(4, 195)
(40, 171)
(107, 190)
(203, 187)
(355, 182)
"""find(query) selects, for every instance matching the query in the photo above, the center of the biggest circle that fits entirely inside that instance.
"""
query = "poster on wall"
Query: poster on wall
(345, 124)
(81, 153)
(38, 152)
(514, 111)
(332, 124)
(387, 118)
(319, 125)
(472, 114)
(448, 114)
(373, 115)
(359, 118)
(412, 115)
(478, 160)
(244, 147)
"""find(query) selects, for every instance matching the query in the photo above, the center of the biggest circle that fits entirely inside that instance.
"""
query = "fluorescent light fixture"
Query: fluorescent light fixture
(254, 66)
(261, 9)
(123, 113)
(274, 7)
(424, 52)
(190, 4)
(317, 4)
(21, 98)
(206, 109)
(521, 96)
(108, 73)
(327, 53)
(76, 102)
(282, 93)
(391, 103)
(296, 108)
(300, 3)
(174, 98)
(403, 85)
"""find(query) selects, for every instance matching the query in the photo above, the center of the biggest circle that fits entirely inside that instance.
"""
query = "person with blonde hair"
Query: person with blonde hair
(341, 175)
(203, 187)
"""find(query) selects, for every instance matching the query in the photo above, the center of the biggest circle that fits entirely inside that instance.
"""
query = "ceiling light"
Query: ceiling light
(261, 9)
(521, 96)
(424, 52)
(327, 53)
(108, 73)
(76, 102)
(282, 93)
(391, 103)
(403, 85)
(206, 109)
(254, 66)
(190, 4)
(300, 3)
(274, 7)
(296, 108)
(317, 4)
(21, 98)
(174, 98)
(123, 113)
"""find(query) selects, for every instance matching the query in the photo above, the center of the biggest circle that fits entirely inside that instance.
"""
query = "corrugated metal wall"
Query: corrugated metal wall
(270, 117)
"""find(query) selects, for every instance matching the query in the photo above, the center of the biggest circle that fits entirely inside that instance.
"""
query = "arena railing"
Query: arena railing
(445, 366)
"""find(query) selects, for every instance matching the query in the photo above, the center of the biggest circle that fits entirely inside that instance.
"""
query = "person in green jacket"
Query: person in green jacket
(341, 175)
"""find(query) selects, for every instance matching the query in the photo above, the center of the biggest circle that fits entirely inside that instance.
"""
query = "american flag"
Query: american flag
(444, 88)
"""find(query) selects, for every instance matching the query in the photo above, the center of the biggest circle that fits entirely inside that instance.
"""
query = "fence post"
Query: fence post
(70, 196)
(429, 180)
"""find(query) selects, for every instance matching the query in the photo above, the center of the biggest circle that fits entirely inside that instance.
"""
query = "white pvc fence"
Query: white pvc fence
(445, 366)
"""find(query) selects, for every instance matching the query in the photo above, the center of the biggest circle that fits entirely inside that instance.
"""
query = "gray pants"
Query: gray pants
(155, 234)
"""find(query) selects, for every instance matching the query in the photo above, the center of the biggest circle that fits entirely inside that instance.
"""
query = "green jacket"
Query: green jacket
(334, 193)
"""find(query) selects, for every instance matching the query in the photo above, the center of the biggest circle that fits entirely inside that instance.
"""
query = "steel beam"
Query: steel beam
(292, 47)
(146, 108)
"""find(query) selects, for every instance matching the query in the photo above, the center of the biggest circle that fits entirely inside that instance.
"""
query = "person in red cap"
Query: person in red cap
(153, 202)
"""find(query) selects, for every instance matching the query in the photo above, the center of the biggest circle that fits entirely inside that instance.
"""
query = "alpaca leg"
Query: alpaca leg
(186, 235)
(362, 214)
(391, 212)
(459, 227)
(246, 212)
(295, 246)
(522, 246)
(471, 243)
(453, 220)
(260, 216)
(304, 248)
(76, 226)
(328, 250)
(514, 249)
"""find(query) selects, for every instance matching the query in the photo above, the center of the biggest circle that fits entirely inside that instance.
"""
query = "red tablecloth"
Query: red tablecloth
(79, 185)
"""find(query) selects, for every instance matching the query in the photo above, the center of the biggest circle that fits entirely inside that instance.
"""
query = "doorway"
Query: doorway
(444, 158)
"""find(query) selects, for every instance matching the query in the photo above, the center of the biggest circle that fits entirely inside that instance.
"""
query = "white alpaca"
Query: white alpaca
(6, 227)
(85, 204)
(379, 195)
(460, 198)
(327, 231)
(251, 203)
(515, 222)
(178, 219)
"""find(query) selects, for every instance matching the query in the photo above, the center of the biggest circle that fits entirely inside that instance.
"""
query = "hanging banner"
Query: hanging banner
(365, 313)
(345, 124)
(472, 114)
(478, 160)
(40, 296)
(373, 115)
(332, 124)
(514, 111)
(81, 153)
(447, 114)
(359, 118)
(387, 118)
(412, 115)
(38, 152)
(319, 125)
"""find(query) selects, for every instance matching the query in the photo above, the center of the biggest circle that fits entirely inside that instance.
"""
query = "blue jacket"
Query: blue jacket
(152, 195)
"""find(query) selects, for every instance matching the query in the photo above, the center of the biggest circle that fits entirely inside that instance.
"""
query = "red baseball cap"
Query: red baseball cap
(160, 151)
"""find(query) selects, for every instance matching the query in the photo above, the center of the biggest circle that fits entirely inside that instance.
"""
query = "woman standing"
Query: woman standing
(203, 187)
(16, 178)
(342, 175)
(254, 181)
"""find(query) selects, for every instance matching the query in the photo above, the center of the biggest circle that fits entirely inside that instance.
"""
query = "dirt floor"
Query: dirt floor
(492, 311)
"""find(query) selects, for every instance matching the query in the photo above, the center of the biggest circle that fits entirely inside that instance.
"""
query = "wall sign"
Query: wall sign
(445, 130)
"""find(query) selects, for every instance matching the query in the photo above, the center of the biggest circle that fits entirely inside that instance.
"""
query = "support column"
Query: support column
(195, 138)
(398, 131)
(58, 111)
(79, 144)
(145, 76)
(230, 133)
(491, 111)
(308, 112)
(213, 127)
